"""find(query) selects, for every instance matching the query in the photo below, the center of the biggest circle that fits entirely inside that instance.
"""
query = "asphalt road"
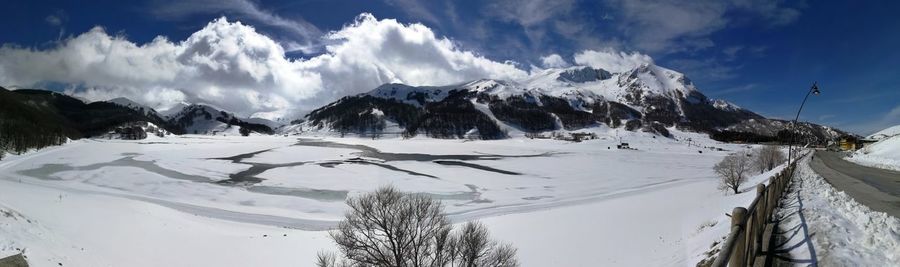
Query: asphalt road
(877, 188)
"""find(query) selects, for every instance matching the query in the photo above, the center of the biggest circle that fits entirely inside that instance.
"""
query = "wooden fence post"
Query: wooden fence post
(738, 254)
(762, 214)
(773, 196)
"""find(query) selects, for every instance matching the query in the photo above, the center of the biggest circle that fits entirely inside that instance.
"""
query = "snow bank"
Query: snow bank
(890, 131)
(883, 154)
(843, 232)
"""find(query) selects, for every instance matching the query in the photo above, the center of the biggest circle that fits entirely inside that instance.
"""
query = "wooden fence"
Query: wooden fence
(751, 227)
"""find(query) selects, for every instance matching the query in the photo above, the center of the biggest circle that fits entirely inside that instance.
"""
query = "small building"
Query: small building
(131, 133)
(850, 143)
(578, 137)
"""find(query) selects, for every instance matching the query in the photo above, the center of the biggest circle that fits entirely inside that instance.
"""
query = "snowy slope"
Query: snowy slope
(577, 84)
(125, 102)
(883, 154)
(206, 119)
(171, 111)
(890, 131)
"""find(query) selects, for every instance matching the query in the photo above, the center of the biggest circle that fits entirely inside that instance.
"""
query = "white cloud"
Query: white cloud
(299, 28)
(230, 65)
(554, 61)
(611, 60)
(53, 20)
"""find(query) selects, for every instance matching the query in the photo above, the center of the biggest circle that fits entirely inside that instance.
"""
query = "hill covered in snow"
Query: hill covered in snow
(886, 133)
(883, 154)
(206, 119)
(646, 98)
(32, 119)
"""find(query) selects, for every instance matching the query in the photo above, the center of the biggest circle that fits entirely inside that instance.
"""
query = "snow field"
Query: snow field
(581, 205)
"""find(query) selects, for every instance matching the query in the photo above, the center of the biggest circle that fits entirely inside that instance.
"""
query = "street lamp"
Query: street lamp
(812, 90)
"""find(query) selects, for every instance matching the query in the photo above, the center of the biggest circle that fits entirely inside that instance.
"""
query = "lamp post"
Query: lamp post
(812, 90)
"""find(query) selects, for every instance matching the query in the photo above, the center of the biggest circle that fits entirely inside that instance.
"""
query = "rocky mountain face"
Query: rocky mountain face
(647, 98)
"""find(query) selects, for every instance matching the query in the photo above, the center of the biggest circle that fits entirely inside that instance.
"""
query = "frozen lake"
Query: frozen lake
(300, 184)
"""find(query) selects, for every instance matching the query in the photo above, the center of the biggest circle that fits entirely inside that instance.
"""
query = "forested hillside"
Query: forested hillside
(25, 124)
(37, 118)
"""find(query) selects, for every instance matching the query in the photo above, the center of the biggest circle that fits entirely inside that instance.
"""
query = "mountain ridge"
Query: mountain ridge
(648, 98)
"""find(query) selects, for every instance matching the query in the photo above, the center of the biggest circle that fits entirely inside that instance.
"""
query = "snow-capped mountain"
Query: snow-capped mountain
(200, 118)
(125, 102)
(205, 119)
(648, 98)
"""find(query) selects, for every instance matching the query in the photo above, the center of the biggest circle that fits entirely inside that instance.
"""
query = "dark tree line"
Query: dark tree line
(739, 136)
(613, 113)
(453, 117)
(353, 114)
(33, 119)
(522, 111)
(246, 126)
(18, 136)
(24, 126)
(572, 119)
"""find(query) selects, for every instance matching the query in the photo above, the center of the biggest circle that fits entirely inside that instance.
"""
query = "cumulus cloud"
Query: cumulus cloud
(231, 65)
(610, 60)
(299, 28)
(554, 61)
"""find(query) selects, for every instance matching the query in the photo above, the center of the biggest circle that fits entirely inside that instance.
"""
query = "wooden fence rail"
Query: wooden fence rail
(751, 227)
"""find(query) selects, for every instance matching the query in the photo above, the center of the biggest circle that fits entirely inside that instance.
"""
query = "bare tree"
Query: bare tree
(732, 170)
(392, 228)
(767, 157)
(476, 249)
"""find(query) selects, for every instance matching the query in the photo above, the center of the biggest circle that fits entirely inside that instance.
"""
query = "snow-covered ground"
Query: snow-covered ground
(832, 229)
(887, 132)
(189, 200)
(883, 154)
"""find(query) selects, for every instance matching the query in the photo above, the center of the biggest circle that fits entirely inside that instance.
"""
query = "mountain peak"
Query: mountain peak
(128, 103)
(583, 74)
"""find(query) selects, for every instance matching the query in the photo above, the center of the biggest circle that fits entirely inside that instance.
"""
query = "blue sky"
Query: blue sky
(762, 55)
